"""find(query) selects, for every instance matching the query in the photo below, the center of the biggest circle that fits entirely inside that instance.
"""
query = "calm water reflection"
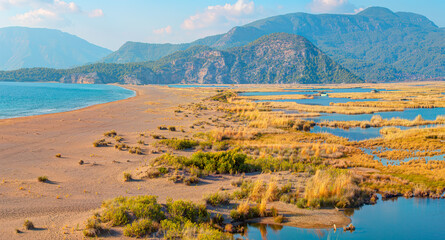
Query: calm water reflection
(311, 91)
(395, 219)
(320, 101)
(358, 133)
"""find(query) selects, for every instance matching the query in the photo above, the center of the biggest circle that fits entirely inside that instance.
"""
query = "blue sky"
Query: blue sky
(110, 23)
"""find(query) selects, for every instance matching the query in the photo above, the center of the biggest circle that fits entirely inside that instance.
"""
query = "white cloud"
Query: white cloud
(66, 6)
(166, 30)
(45, 12)
(358, 10)
(96, 13)
(35, 17)
(331, 6)
(218, 14)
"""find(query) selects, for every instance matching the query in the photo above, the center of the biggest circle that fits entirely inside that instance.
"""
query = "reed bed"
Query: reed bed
(394, 104)
(378, 121)
(350, 110)
(334, 187)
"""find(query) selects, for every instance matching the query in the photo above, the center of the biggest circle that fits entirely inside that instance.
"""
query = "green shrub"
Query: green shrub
(286, 188)
(116, 215)
(208, 233)
(156, 136)
(244, 212)
(148, 209)
(301, 203)
(111, 133)
(28, 225)
(221, 162)
(121, 146)
(140, 228)
(224, 96)
(42, 179)
(127, 177)
(217, 199)
(139, 206)
(191, 180)
(221, 146)
(101, 143)
(188, 210)
(172, 128)
(205, 145)
(218, 219)
(174, 229)
(93, 228)
(179, 144)
(135, 150)
(163, 170)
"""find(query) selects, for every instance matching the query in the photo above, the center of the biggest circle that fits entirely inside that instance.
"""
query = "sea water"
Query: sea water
(19, 99)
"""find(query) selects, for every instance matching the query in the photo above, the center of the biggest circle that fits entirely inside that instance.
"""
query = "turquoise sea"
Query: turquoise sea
(28, 99)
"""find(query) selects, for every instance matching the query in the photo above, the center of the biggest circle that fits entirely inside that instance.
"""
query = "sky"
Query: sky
(111, 23)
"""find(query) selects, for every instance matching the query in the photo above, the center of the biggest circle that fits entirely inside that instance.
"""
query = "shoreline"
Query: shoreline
(128, 87)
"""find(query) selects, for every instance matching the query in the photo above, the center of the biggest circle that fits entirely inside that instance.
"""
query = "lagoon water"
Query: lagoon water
(311, 91)
(410, 114)
(320, 101)
(394, 219)
(358, 133)
(353, 134)
(28, 99)
(196, 86)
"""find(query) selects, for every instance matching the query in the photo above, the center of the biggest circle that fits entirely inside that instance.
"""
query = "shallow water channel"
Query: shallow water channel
(393, 219)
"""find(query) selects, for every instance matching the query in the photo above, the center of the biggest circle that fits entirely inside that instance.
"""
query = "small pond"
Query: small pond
(394, 219)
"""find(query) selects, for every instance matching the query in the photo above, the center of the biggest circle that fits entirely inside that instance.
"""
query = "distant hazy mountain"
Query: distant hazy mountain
(376, 44)
(37, 47)
(275, 58)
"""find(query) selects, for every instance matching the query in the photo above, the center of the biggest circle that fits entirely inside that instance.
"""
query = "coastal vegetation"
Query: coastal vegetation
(275, 163)
(43, 179)
(143, 216)
(28, 225)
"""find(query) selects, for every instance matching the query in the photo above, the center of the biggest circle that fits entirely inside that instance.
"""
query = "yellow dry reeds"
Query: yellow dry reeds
(234, 133)
(378, 121)
(257, 191)
(271, 192)
(332, 188)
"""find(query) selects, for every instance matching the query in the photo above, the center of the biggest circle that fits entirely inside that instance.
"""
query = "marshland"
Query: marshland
(219, 163)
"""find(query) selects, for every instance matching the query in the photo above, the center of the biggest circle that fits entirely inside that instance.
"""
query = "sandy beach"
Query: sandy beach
(59, 208)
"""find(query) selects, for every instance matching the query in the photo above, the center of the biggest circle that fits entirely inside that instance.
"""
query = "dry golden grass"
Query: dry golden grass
(234, 133)
(327, 184)
(378, 121)
(351, 110)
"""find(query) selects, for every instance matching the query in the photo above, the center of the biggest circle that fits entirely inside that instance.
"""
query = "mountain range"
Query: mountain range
(23, 47)
(275, 58)
(375, 44)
